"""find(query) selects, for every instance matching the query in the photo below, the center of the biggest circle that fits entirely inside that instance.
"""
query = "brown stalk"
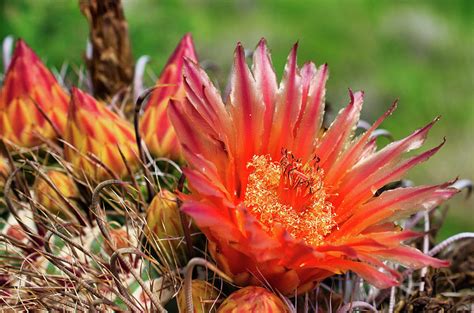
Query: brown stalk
(111, 64)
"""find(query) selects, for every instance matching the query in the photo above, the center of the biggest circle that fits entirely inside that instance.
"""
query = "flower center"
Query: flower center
(289, 194)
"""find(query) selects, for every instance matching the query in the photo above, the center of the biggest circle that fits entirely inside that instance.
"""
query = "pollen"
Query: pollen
(289, 194)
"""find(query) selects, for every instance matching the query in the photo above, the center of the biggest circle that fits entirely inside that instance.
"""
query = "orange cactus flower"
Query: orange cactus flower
(279, 200)
(155, 126)
(253, 300)
(96, 137)
(29, 85)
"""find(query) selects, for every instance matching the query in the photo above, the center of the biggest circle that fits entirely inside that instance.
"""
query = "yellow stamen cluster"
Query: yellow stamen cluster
(291, 195)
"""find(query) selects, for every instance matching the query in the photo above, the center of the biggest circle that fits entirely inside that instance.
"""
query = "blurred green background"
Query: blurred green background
(421, 52)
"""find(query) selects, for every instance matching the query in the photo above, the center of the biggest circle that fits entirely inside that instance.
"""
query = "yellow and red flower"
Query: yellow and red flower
(96, 138)
(29, 85)
(279, 200)
(155, 126)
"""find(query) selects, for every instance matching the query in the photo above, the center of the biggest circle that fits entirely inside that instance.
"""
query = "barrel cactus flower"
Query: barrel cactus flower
(253, 300)
(155, 126)
(53, 194)
(280, 200)
(98, 141)
(204, 294)
(33, 106)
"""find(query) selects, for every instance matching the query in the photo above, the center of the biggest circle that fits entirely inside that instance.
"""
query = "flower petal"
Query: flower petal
(381, 159)
(393, 205)
(334, 140)
(411, 258)
(265, 79)
(287, 107)
(355, 152)
(312, 111)
(367, 187)
(247, 110)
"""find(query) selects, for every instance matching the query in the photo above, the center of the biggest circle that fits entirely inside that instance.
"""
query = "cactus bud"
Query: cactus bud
(29, 85)
(120, 239)
(155, 126)
(51, 195)
(205, 296)
(4, 171)
(253, 299)
(164, 223)
(93, 129)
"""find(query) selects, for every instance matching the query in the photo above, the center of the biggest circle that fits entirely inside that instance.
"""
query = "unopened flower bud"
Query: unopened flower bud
(120, 239)
(204, 294)
(33, 106)
(98, 139)
(155, 126)
(253, 299)
(164, 223)
(4, 171)
(53, 194)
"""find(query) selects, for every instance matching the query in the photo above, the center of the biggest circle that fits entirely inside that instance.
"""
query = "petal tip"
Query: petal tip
(262, 43)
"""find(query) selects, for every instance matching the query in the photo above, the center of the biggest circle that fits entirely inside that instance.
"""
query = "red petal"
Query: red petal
(355, 152)
(204, 96)
(383, 158)
(265, 79)
(339, 132)
(393, 205)
(371, 183)
(208, 216)
(247, 113)
(172, 75)
(411, 258)
(312, 116)
(287, 107)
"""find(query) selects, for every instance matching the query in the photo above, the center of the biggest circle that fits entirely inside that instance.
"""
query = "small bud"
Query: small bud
(253, 299)
(120, 239)
(52, 195)
(164, 222)
(205, 297)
